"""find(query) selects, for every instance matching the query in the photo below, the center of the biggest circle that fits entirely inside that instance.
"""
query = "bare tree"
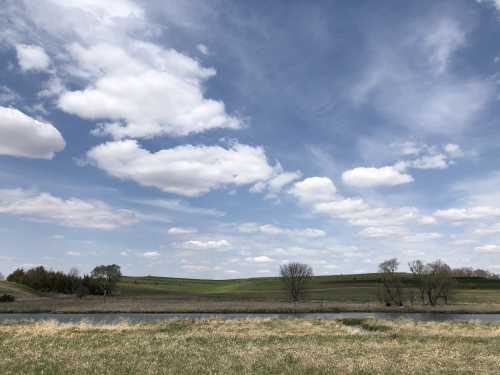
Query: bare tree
(295, 277)
(417, 269)
(1, 276)
(435, 281)
(392, 286)
(440, 282)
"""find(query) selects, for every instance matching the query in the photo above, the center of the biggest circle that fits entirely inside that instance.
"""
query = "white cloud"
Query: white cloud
(207, 245)
(135, 87)
(260, 259)
(488, 248)
(186, 170)
(486, 230)
(371, 177)
(341, 207)
(427, 220)
(144, 91)
(23, 136)
(203, 49)
(72, 212)
(73, 253)
(383, 232)
(275, 184)
(453, 150)
(151, 254)
(178, 231)
(32, 57)
(274, 230)
(470, 213)
(314, 189)
(422, 237)
(438, 161)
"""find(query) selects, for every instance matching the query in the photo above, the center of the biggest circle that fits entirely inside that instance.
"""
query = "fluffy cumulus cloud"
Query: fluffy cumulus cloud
(72, 212)
(418, 157)
(32, 57)
(273, 230)
(314, 189)
(186, 170)
(144, 91)
(371, 177)
(24, 136)
(355, 210)
(134, 87)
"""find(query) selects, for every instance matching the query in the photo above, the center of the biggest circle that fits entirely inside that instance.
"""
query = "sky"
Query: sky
(221, 139)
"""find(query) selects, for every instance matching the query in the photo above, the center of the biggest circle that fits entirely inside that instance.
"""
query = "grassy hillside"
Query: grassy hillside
(17, 290)
(339, 288)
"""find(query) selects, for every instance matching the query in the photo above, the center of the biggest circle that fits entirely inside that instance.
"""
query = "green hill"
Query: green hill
(339, 288)
(17, 290)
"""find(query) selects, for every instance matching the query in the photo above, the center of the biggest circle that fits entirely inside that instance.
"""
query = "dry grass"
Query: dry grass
(252, 346)
(71, 304)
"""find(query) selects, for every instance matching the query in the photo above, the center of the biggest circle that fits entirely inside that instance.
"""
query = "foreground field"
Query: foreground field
(253, 346)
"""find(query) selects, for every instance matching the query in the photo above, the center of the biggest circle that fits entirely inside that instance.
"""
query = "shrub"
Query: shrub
(7, 298)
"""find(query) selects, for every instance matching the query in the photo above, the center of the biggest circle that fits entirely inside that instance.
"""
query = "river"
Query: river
(106, 318)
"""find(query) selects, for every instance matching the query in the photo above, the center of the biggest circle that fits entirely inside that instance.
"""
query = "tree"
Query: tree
(440, 282)
(434, 281)
(392, 286)
(17, 276)
(417, 268)
(1, 276)
(107, 277)
(295, 278)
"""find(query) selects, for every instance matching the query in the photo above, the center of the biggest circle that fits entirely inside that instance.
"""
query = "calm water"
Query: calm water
(113, 318)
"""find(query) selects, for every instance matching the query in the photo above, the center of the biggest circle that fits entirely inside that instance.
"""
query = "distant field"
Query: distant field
(162, 294)
(253, 346)
(360, 288)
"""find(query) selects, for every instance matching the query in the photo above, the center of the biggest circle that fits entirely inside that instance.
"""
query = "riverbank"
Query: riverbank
(90, 305)
(251, 346)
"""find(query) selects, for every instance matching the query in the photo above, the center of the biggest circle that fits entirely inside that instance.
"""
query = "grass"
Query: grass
(252, 346)
(327, 293)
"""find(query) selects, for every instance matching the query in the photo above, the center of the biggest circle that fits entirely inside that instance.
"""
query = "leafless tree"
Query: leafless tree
(440, 282)
(1, 276)
(295, 277)
(392, 286)
(434, 281)
(417, 268)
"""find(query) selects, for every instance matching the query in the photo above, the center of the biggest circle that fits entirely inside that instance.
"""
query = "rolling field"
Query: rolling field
(161, 294)
(360, 288)
(251, 346)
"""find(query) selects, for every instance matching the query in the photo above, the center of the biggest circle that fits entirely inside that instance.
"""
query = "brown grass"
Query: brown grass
(251, 346)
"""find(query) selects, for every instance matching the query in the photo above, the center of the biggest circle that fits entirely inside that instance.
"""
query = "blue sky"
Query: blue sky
(221, 139)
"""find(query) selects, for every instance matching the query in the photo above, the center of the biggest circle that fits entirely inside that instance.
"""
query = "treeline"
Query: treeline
(101, 281)
(430, 283)
(469, 272)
